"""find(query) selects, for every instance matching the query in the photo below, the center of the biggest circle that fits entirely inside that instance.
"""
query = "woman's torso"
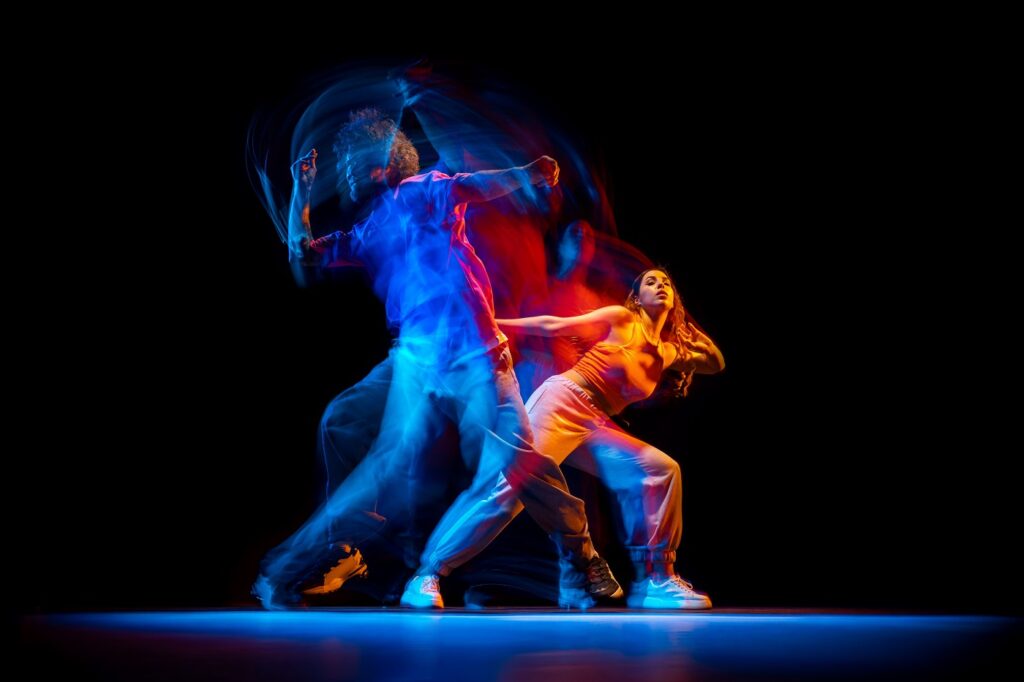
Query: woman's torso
(617, 374)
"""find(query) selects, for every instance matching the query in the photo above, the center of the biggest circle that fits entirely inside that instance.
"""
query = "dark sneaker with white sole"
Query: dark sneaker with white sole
(581, 586)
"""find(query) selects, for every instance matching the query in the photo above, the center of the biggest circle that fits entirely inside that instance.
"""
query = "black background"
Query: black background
(845, 458)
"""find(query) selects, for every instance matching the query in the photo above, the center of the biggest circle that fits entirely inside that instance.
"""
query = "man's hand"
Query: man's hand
(298, 245)
(310, 252)
(543, 170)
(321, 245)
(304, 170)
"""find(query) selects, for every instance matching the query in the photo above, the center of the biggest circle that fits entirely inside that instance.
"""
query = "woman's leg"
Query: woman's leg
(648, 486)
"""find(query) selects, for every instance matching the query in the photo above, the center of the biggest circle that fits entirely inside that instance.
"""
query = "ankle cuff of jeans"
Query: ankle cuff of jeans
(652, 556)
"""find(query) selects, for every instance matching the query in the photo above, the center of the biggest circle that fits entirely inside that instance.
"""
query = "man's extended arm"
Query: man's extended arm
(491, 184)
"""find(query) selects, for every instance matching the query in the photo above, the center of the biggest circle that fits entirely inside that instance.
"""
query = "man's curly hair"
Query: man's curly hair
(372, 126)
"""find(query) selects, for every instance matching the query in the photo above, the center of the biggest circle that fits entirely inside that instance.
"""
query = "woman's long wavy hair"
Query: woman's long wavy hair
(678, 331)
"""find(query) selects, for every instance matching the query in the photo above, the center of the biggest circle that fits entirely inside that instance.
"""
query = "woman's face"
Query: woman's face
(656, 290)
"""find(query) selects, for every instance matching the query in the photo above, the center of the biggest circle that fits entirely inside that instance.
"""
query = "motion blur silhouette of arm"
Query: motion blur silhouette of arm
(299, 231)
(603, 319)
(330, 251)
(492, 184)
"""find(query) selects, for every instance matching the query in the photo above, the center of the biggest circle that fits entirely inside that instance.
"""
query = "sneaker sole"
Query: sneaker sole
(656, 603)
(413, 603)
(336, 584)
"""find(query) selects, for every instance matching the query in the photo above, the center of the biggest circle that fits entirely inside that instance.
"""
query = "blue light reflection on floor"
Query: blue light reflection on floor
(510, 645)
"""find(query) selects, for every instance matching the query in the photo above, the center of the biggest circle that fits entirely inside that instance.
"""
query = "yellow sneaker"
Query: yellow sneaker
(349, 566)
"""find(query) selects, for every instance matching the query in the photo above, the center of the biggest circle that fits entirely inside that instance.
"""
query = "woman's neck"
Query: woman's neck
(652, 326)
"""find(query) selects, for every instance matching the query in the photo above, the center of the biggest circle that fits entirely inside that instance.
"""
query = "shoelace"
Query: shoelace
(598, 572)
(430, 584)
(679, 582)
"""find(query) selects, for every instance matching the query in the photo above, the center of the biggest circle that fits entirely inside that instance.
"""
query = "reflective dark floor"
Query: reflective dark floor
(520, 644)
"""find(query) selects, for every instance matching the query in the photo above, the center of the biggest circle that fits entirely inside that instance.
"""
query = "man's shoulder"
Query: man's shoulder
(432, 187)
(423, 179)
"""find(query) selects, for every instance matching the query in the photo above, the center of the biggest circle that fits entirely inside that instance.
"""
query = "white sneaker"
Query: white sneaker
(423, 592)
(672, 593)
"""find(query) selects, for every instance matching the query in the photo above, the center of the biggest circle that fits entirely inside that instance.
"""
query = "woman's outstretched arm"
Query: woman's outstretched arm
(602, 319)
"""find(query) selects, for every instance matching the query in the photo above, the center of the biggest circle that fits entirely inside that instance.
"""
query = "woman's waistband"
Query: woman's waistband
(578, 385)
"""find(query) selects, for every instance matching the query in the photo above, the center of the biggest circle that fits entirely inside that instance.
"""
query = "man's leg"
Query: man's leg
(311, 551)
(350, 425)
(496, 436)
(351, 422)
(486, 508)
(374, 493)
